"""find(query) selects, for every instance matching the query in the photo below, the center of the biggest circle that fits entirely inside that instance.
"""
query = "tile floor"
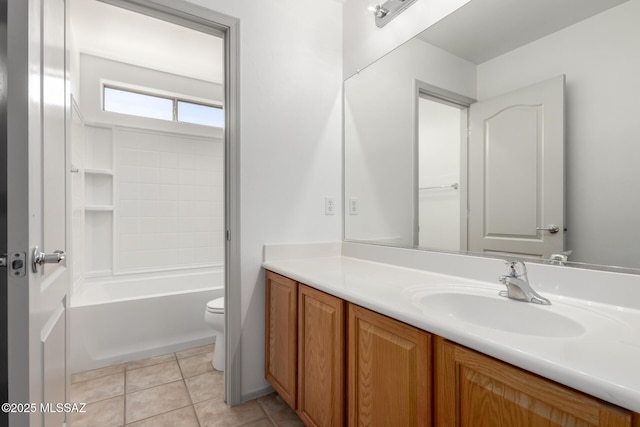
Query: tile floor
(173, 390)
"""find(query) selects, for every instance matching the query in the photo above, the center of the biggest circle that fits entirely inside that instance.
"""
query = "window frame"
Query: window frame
(174, 98)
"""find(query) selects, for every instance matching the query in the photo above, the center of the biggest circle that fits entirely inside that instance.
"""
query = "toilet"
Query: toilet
(214, 316)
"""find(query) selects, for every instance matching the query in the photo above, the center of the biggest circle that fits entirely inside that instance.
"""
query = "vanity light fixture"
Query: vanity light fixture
(389, 10)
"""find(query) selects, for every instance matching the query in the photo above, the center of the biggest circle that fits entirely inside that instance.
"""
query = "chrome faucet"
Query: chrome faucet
(518, 286)
(560, 259)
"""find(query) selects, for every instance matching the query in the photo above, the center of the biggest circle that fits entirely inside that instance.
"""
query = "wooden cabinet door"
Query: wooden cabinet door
(476, 390)
(320, 358)
(281, 336)
(389, 371)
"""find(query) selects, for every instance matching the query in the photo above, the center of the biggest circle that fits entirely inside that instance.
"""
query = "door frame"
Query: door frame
(4, 391)
(19, 25)
(17, 119)
(434, 93)
(206, 20)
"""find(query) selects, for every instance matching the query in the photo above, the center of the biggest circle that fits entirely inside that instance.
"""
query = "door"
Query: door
(475, 390)
(37, 220)
(320, 358)
(281, 334)
(516, 172)
(388, 371)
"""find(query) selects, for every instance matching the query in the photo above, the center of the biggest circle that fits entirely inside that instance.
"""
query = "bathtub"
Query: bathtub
(120, 319)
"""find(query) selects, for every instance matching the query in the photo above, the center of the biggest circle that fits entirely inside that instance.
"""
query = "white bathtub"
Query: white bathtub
(123, 319)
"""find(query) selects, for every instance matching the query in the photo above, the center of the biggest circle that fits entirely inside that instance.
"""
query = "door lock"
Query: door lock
(15, 262)
(40, 258)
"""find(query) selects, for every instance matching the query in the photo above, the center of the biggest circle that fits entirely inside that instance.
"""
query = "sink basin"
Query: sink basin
(500, 313)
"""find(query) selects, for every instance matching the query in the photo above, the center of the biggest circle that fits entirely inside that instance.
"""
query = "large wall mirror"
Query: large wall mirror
(506, 128)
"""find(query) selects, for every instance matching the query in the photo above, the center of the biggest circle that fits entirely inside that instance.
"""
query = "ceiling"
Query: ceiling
(121, 35)
(484, 29)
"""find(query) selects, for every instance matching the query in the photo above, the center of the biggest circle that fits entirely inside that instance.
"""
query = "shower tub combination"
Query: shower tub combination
(117, 320)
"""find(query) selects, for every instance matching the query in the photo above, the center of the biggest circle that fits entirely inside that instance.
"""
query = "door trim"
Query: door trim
(425, 90)
(206, 20)
(4, 391)
(19, 22)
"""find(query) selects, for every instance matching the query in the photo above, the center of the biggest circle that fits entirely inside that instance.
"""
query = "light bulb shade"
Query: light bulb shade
(389, 10)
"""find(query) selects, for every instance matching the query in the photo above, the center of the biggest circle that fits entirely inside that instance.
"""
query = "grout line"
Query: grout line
(124, 410)
(97, 369)
(157, 415)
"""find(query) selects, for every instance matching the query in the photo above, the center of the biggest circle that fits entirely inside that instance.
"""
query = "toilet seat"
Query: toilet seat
(216, 305)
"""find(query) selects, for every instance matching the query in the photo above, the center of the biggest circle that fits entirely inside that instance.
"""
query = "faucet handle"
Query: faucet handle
(515, 267)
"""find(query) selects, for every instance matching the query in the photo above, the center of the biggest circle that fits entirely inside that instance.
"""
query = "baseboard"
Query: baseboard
(257, 393)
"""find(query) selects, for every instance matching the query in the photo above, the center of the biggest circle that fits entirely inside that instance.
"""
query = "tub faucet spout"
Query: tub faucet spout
(517, 283)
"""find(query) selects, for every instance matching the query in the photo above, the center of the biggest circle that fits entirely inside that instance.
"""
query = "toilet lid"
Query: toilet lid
(216, 305)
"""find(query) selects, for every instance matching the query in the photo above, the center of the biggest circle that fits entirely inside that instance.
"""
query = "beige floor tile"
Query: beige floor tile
(104, 413)
(205, 386)
(155, 401)
(97, 373)
(184, 417)
(196, 365)
(193, 351)
(98, 389)
(150, 376)
(263, 422)
(286, 418)
(150, 361)
(272, 403)
(214, 413)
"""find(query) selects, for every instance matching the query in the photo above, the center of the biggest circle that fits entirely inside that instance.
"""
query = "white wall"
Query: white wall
(290, 85)
(364, 42)
(600, 59)
(380, 127)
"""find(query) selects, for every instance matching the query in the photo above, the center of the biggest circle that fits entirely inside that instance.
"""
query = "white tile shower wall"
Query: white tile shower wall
(169, 200)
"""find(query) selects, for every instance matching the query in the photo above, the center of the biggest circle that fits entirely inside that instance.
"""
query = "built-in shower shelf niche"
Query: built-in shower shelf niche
(92, 171)
(99, 148)
(99, 201)
(98, 189)
(96, 208)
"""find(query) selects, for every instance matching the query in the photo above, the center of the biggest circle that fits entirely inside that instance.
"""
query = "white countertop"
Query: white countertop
(600, 357)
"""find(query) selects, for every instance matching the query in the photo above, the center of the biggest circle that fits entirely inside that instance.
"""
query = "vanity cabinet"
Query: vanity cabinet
(320, 358)
(389, 371)
(472, 389)
(304, 355)
(281, 338)
(397, 374)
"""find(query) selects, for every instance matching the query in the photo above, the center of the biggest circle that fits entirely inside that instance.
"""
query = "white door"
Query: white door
(516, 172)
(37, 181)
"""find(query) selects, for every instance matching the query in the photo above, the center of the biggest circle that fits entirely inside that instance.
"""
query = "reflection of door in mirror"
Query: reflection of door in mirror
(516, 172)
(441, 129)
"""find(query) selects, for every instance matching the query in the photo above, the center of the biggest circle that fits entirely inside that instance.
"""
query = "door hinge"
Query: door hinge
(15, 262)
(228, 236)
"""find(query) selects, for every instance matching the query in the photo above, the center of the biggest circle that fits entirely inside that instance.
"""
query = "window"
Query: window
(125, 101)
(200, 114)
